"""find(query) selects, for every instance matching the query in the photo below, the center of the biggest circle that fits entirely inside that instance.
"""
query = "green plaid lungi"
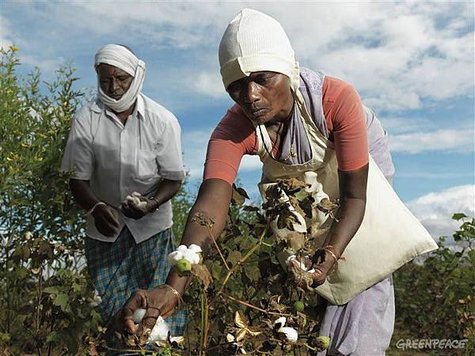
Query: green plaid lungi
(119, 268)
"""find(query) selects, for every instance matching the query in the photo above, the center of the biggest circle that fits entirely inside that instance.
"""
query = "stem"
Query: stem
(38, 309)
(204, 323)
(254, 307)
(243, 259)
(217, 247)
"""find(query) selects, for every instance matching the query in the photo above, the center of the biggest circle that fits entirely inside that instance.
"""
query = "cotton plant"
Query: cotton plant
(183, 258)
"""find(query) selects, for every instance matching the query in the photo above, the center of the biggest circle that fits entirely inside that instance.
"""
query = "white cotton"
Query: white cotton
(195, 248)
(177, 339)
(191, 254)
(290, 333)
(282, 320)
(192, 257)
(182, 248)
(174, 257)
(292, 259)
(298, 226)
(160, 331)
(96, 299)
(132, 200)
(138, 315)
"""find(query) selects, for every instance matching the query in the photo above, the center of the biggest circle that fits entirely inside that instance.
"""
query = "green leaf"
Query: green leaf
(252, 272)
(458, 216)
(62, 301)
(51, 290)
(4, 338)
(53, 337)
(234, 257)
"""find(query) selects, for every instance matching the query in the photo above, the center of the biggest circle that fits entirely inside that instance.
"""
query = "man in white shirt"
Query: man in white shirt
(124, 150)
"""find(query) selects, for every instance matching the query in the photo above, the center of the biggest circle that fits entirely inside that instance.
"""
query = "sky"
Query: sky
(412, 62)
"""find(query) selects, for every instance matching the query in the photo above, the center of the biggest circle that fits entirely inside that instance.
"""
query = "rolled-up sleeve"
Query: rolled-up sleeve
(78, 155)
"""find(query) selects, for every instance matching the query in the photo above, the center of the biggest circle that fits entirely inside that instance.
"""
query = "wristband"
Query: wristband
(95, 206)
(328, 249)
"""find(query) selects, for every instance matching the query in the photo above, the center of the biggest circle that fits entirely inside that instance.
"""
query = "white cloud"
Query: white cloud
(207, 82)
(4, 41)
(435, 210)
(397, 54)
(455, 140)
(194, 147)
(178, 25)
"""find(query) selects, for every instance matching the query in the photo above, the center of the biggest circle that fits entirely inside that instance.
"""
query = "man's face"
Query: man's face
(114, 82)
(265, 97)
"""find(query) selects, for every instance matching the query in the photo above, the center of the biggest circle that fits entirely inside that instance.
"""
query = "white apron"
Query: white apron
(389, 236)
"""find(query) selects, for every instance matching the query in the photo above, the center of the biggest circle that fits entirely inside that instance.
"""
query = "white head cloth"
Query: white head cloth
(255, 42)
(120, 57)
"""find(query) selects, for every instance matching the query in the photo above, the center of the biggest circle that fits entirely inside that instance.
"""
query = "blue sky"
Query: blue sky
(411, 61)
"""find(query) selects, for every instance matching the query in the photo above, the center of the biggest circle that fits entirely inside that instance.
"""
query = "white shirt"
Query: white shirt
(120, 159)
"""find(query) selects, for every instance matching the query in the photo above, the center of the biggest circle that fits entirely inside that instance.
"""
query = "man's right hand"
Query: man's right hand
(157, 302)
(106, 220)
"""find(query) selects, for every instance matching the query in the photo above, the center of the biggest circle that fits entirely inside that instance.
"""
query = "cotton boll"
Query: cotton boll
(133, 201)
(298, 226)
(293, 261)
(138, 315)
(160, 331)
(174, 257)
(192, 256)
(290, 333)
(195, 248)
(182, 248)
(142, 204)
(279, 323)
(96, 299)
(176, 340)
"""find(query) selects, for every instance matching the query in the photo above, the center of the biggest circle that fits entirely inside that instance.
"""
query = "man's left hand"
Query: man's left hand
(136, 206)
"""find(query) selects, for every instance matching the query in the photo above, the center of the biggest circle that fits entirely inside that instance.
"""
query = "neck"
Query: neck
(123, 116)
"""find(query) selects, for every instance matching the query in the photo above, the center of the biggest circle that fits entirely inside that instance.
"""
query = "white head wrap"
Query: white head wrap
(120, 57)
(255, 42)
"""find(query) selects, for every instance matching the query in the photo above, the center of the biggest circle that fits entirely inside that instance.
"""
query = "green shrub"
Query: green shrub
(45, 296)
(435, 299)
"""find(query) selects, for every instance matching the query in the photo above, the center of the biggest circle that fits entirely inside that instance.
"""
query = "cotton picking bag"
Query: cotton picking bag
(389, 236)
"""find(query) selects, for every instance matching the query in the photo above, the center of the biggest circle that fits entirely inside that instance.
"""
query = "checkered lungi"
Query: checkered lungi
(118, 269)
